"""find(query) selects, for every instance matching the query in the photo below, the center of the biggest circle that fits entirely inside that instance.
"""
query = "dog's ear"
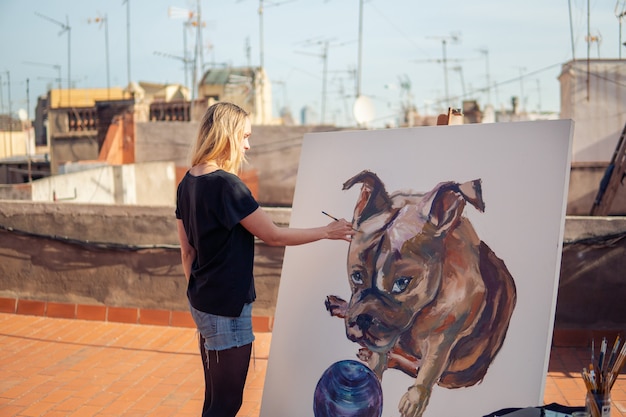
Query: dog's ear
(447, 202)
(373, 198)
(472, 191)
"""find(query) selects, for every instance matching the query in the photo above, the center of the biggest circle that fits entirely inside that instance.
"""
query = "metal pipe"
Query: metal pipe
(360, 58)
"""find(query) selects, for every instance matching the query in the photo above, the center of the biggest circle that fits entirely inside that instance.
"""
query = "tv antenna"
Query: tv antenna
(55, 66)
(127, 2)
(183, 59)
(620, 12)
(485, 52)
(325, 44)
(262, 7)
(459, 69)
(103, 20)
(194, 19)
(189, 23)
(65, 27)
(360, 55)
(522, 99)
(595, 38)
(453, 38)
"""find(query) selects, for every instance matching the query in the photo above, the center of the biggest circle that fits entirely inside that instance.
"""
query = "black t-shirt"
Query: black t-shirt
(211, 207)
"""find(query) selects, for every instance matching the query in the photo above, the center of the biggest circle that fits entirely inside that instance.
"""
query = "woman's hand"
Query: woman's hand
(261, 225)
(340, 229)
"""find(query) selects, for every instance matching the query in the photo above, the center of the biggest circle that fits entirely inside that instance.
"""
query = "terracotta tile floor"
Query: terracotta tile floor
(59, 367)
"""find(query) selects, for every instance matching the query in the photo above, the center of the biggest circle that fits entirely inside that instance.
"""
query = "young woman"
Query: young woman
(217, 220)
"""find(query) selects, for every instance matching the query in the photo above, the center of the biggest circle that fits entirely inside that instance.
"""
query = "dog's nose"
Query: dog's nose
(364, 321)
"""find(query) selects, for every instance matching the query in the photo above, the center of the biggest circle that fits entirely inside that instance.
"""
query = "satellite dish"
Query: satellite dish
(22, 115)
(363, 110)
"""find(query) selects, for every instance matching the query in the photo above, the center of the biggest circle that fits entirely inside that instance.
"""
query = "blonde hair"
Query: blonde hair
(219, 138)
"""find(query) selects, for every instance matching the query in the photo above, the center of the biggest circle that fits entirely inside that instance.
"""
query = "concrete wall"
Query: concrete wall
(273, 159)
(152, 184)
(591, 287)
(72, 148)
(127, 256)
(120, 256)
(16, 143)
(584, 182)
(15, 192)
(274, 153)
(164, 141)
(598, 108)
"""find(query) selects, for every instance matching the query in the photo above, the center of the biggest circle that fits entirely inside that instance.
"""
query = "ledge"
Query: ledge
(173, 318)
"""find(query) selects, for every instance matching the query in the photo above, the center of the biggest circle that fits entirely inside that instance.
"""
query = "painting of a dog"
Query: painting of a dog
(428, 296)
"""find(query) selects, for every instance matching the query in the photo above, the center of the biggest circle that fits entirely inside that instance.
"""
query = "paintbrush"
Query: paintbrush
(617, 367)
(334, 218)
(601, 356)
(609, 365)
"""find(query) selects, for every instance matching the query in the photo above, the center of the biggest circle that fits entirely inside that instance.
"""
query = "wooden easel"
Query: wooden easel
(612, 180)
(454, 117)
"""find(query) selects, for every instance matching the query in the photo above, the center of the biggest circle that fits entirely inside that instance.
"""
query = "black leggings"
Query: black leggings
(225, 374)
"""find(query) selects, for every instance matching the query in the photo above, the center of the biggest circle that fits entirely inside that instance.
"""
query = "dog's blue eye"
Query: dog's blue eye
(400, 285)
(357, 277)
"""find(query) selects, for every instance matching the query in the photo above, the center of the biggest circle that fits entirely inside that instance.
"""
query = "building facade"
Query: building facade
(247, 87)
(593, 94)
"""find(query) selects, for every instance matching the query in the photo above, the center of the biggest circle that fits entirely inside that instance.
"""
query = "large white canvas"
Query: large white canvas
(524, 168)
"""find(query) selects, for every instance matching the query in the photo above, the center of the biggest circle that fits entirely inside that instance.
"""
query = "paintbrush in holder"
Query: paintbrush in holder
(601, 376)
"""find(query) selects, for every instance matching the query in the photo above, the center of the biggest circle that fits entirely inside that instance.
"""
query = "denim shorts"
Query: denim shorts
(221, 332)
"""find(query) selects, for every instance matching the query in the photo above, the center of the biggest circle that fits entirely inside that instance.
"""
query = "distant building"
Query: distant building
(74, 122)
(472, 112)
(14, 138)
(160, 102)
(308, 116)
(20, 160)
(516, 114)
(593, 94)
(247, 87)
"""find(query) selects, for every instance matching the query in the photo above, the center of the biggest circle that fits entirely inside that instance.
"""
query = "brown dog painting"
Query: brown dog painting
(428, 296)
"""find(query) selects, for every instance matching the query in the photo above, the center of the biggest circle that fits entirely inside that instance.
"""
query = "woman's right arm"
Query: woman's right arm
(187, 252)
(261, 225)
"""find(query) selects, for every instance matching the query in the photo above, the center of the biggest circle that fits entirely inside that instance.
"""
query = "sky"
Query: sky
(515, 47)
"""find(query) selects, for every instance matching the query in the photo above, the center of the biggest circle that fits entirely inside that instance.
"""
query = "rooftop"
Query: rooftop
(67, 367)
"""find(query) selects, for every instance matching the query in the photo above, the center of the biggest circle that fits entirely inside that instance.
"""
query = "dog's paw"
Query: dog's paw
(336, 306)
(364, 354)
(375, 361)
(414, 401)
